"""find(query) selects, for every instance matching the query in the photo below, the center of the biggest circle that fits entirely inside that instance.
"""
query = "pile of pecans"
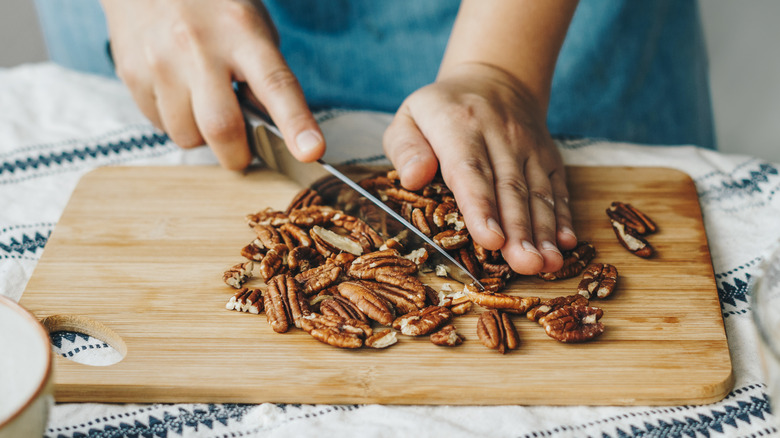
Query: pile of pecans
(332, 275)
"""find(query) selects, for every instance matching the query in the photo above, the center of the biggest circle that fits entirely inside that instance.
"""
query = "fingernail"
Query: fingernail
(308, 140)
(528, 246)
(493, 226)
(569, 231)
(549, 246)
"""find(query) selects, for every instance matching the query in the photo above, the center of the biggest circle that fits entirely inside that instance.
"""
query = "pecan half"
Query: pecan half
(335, 330)
(447, 336)
(359, 229)
(268, 236)
(238, 274)
(272, 264)
(382, 339)
(507, 303)
(284, 303)
(632, 218)
(423, 321)
(305, 198)
(404, 196)
(419, 221)
(254, 250)
(548, 306)
(374, 306)
(632, 241)
(600, 278)
(338, 305)
(469, 261)
(451, 239)
(402, 300)
(496, 331)
(574, 261)
(246, 300)
(330, 243)
(269, 216)
(389, 261)
(572, 324)
(297, 234)
(319, 278)
(303, 258)
(310, 216)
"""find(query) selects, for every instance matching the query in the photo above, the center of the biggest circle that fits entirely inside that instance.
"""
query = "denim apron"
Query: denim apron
(633, 71)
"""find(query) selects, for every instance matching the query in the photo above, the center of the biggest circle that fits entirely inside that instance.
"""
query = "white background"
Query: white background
(742, 38)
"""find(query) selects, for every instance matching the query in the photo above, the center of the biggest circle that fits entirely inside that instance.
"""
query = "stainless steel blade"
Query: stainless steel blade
(272, 150)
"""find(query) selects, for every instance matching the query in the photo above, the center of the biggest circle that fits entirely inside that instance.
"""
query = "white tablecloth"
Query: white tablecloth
(56, 125)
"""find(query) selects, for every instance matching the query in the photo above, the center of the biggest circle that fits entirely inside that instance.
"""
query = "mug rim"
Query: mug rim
(47, 375)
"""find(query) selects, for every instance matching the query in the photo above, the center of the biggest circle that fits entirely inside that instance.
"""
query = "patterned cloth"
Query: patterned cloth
(58, 125)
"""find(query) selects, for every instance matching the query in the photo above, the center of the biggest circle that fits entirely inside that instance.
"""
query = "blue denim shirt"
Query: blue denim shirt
(631, 71)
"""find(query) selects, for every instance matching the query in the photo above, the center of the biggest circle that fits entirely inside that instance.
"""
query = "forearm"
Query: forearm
(521, 37)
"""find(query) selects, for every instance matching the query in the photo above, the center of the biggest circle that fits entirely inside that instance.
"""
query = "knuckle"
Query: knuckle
(222, 127)
(513, 185)
(279, 78)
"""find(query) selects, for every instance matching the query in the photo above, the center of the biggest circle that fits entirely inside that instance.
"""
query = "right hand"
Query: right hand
(180, 58)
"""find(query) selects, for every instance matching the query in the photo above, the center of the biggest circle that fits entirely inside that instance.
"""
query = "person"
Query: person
(474, 87)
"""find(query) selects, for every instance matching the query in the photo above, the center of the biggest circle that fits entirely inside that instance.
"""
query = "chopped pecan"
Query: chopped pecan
(272, 264)
(310, 216)
(632, 218)
(303, 258)
(507, 303)
(495, 330)
(238, 274)
(284, 303)
(382, 339)
(574, 261)
(422, 322)
(254, 250)
(330, 243)
(419, 256)
(548, 306)
(305, 198)
(573, 324)
(246, 300)
(389, 261)
(600, 278)
(632, 241)
(269, 216)
(335, 330)
(451, 239)
(447, 214)
(319, 278)
(374, 306)
(458, 302)
(338, 305)
(447, 336)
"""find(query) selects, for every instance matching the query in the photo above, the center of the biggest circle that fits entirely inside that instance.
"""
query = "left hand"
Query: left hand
(488, 134)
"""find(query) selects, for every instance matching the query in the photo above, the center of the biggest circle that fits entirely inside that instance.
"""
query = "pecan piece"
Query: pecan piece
(310, 216)
(548, 306)
(330, 243)
(600, 278)
(305, 198)
(451, 239)
(269, 216)
(632, 218)
(254, 250)
(507, 303)
(338, 305)
(246, 300)
(382, 339)
(422, 322)
(419, 221)
(632, 241)
(238, 274)
(389, 261)
(458, 302)
(284, 303)
(335, 330)
(574, 261)
(447, 336)
(321, 277)
(374, 306)
(303, 258)
(496, 331)
(573, 324)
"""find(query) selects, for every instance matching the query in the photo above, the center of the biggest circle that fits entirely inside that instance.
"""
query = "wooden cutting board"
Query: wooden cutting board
(138, 255)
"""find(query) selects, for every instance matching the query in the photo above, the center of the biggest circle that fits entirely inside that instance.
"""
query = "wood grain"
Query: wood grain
(138, 255)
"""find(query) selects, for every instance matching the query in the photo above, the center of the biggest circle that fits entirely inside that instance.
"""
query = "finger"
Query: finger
(142, 90)
(468, 173)
(271, 80)
(219, 117)
(567, 238)
(409, 151)
(541, 205)
(178, 121)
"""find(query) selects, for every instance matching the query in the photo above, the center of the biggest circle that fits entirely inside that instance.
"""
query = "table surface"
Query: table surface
(57, 125)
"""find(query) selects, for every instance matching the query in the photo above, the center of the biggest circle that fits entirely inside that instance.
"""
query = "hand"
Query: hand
(179, 59)
(488, 135)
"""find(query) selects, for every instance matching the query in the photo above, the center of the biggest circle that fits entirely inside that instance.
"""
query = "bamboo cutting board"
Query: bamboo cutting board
(138, 255)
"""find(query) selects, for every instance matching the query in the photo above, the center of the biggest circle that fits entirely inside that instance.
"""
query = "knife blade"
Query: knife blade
(266, 143)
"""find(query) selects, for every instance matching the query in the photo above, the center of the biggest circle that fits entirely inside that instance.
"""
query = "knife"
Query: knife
(265, 141)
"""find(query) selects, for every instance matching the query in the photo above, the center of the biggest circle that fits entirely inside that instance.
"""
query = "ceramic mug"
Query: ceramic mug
(26, 384)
